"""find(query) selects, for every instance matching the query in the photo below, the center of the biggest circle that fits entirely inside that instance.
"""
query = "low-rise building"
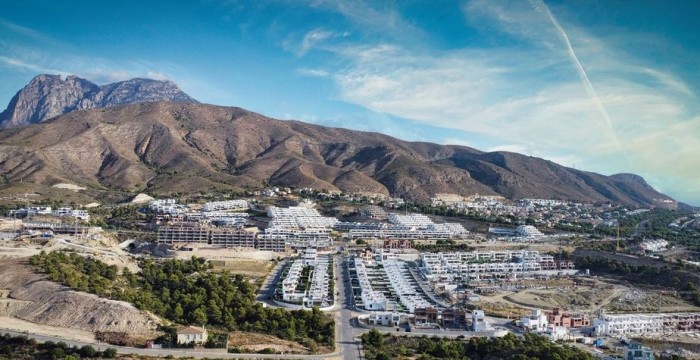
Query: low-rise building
(479, 321)
(558, 317)
(537, 321)
(627, 325)
(191, 334)
(635, 351)
(397, 244)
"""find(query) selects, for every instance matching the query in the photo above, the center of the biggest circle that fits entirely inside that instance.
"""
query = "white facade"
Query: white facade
(226, 205)
(653, 245)
(537, 321)
(167, 206)
(398, 276)
(69, 212)
(418, 221)
(528, 231)
(626, 325)
(371, 300)
(479, 321)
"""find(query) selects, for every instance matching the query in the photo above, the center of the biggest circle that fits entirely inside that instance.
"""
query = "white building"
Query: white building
(167, 206)
(226, 205)
(191, 334)
(69, 212)
(528, 231)
(537, 321)
(628, 325)
(382, 318)
(653, 245)
(371, 300)
(479, 321)
(418, 221)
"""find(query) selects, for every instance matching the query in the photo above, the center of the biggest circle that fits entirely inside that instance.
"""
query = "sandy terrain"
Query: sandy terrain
(141, 198)
(247, 267)
(7, 252)
(16, 324)
(54, 305)
(10, 224)
(231, 253)
(256, 342)
(69, 186)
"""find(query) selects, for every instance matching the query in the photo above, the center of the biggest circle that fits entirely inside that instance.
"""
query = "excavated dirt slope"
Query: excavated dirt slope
(44, 302)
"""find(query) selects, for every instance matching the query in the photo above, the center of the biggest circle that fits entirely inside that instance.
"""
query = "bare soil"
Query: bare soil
(46, 303)
(256, 342)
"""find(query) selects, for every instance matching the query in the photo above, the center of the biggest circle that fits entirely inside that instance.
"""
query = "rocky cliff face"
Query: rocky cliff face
(48, 96)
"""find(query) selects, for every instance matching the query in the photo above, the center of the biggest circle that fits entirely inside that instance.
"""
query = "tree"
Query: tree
(110, 353)
(57, 353)
(199, 316)
(87, 351)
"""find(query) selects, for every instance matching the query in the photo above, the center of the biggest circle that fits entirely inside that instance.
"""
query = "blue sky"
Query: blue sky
(603, 85)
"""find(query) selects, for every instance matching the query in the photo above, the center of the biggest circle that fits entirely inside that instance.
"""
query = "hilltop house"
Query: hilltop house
(189, 334)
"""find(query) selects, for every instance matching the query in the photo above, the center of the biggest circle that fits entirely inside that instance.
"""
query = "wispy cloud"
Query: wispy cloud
(564, 95)
(22, 65)
(28, 32)
(314, 72)
(312, 38)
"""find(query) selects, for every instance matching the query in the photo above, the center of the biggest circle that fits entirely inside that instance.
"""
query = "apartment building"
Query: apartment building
(226, 205)
(228, 237)
(627, 325)
(418, 221)
(291, 282)
(397, 244)
(373, 212)
(371, 299)
(409, 296)
(271, 243)
(479, 265)
(183, 234)
(558, 317)
(167, 206)
(70, 212)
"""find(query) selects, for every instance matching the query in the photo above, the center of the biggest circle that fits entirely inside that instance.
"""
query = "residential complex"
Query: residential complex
(196, 234)
(487, 265)
(373, 212)
(226, 205)
(628, 325)
(46, 210)
(308, 281)
(387, 284)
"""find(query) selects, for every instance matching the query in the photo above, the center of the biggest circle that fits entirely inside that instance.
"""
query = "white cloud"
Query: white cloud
(531, 97)
(22, 65)
(311, 39)
(314, 72)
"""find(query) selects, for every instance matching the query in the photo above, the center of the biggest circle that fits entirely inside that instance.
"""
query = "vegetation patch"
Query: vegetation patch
(378, 346)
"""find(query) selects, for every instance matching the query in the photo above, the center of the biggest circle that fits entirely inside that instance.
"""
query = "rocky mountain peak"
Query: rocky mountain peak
(47, 96)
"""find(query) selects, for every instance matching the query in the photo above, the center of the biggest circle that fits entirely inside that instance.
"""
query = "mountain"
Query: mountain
(47, 96)
(168, 147)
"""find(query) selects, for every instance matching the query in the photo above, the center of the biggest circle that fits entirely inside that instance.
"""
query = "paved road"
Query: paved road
(267, 289)
(349, 342)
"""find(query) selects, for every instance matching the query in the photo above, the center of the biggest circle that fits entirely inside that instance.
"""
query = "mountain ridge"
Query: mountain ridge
(48, 96)
(187, 147)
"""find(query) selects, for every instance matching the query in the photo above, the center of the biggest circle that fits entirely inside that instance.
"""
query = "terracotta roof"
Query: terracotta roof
(190, 330)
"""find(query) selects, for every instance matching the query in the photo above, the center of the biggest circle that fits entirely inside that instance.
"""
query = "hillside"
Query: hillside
(29, 296)
(168, 147)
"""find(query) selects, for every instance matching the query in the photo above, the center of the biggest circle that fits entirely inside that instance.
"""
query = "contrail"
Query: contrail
(539, 5)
